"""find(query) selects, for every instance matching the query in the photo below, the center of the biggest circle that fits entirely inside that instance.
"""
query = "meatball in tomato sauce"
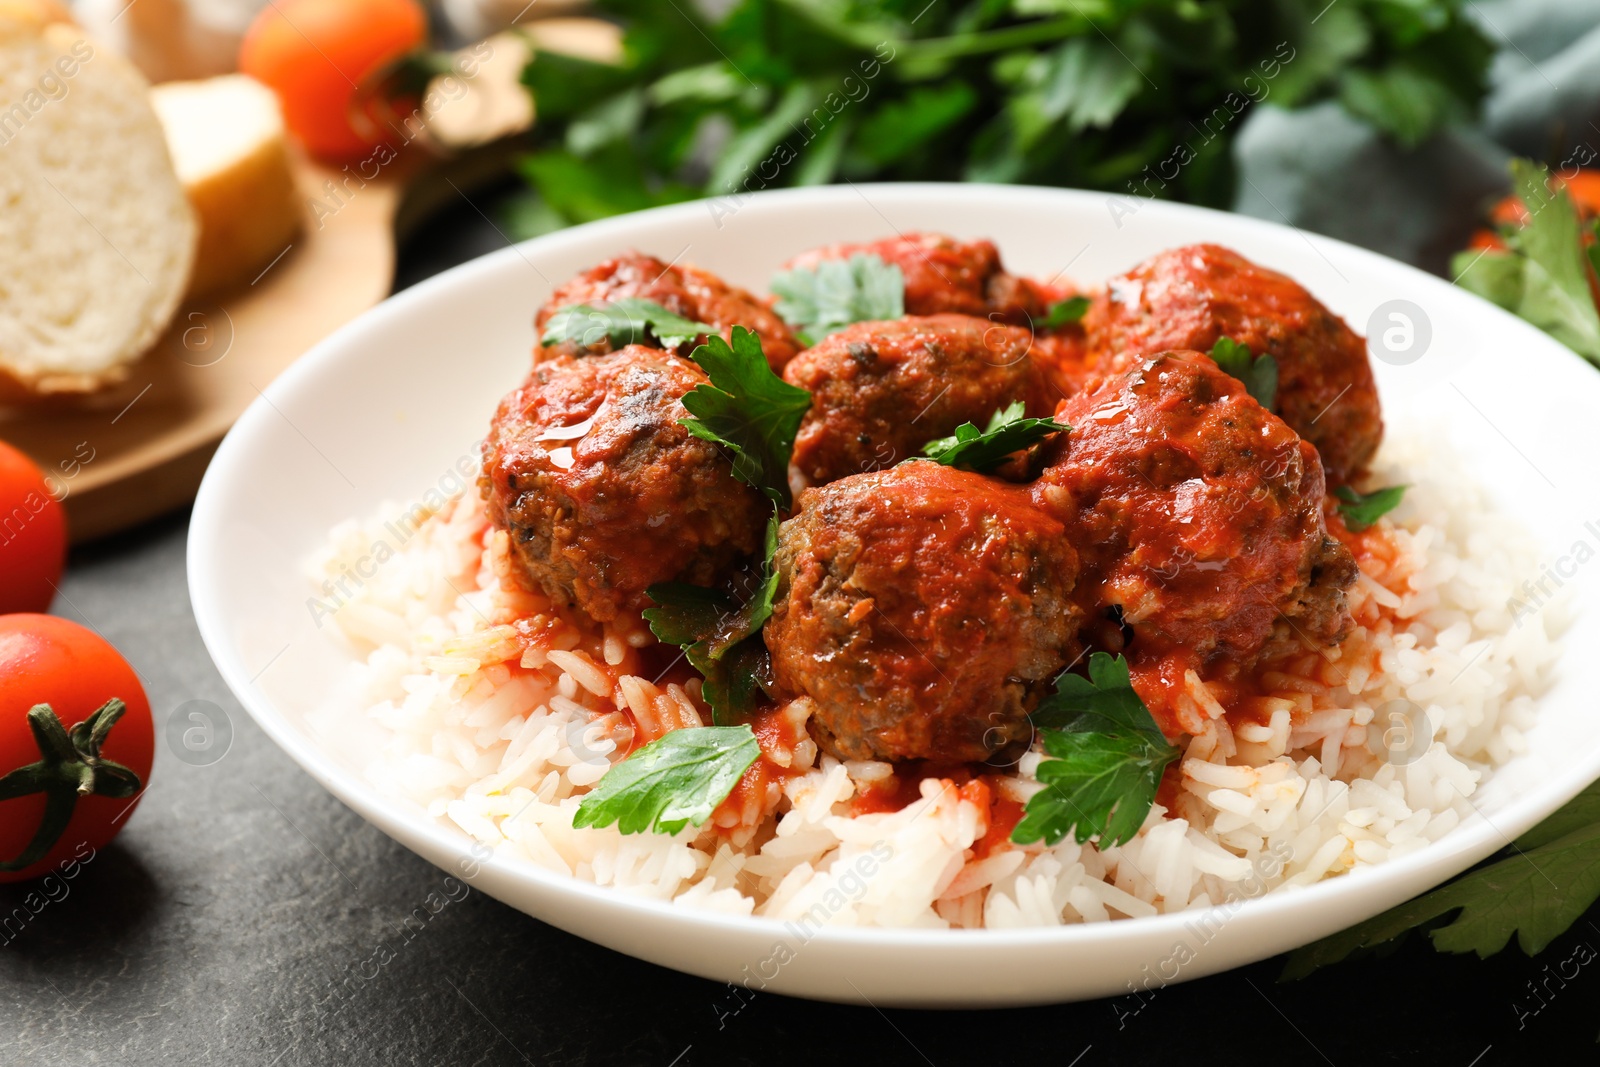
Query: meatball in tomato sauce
(881, 390)
(1187, 298)
(1197, 517)
(924, 609)
(604, 493)
(697, 295)
(946, 275)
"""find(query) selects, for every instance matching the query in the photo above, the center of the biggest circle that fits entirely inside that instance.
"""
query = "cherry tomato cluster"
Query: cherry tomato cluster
(76, 739)
(1582, 185)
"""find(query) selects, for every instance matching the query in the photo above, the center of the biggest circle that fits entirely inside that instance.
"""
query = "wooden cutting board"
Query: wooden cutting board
(137, 451)
(132, 453)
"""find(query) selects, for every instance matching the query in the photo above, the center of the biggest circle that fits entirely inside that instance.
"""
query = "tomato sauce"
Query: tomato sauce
(1004, 814)
(982, 790)
(778, 731)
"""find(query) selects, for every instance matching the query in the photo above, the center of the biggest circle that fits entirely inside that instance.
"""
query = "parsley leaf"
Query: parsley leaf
(897, 129)
(1361, 510)
(685, 613)
(1259, 375)
(982, 450)
(834, 293)
(1064, 311)
(1495, 276)
(626, 321)
(1104, 702)
(1084, 84)
(1556, 296)
(1536, 893)
(1544, 275)
(1581, 811)
(721, 638)
(1403, 100)
(671, 782)
(749, 409)
(1108, 758)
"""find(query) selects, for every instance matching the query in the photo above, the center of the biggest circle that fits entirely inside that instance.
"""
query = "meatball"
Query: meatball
(1197, 515)
(881, 390)
(924, 609)
(1188, 297)
(695, 294)
(601, 489)
(946, 275)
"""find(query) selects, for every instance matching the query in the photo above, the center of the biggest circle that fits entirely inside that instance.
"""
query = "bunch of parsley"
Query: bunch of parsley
(1135, 96)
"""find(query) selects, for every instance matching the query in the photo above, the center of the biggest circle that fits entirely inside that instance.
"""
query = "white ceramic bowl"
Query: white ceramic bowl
(385, 408)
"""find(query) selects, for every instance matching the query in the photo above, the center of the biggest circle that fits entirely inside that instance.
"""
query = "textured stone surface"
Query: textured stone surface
(241, 916)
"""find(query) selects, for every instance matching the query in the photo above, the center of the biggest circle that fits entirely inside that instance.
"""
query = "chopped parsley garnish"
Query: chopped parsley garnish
(1064, 311)
(671, 782)
(982, 450)
(818, 300)
(1361, 510)
(748, 409)
(1259, 374)
(1108, 756)
(1543, 276)
(1537, 889)
(630, 320)
(754, 414)
(721, 637)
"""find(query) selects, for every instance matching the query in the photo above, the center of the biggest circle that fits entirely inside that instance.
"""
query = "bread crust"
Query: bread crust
(249, 206)
(248, 215)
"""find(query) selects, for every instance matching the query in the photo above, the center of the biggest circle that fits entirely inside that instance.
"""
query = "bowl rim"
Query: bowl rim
(203, 557)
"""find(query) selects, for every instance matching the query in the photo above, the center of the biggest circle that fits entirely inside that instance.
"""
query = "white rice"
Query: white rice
(499, 731)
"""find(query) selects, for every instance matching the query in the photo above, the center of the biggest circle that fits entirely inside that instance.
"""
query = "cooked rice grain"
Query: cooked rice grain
(497, 716)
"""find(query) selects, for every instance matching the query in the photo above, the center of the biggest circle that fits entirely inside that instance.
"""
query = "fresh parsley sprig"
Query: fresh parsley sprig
(1543, 276)
(672, 782)
(1361, 510)
(1259, 374)
(983, 450)
(1539, 888)
(834, 293)
(749, 410)
(1065, 311)
(754, 414)
(721, 637)
(1107, 759)
(630, 320)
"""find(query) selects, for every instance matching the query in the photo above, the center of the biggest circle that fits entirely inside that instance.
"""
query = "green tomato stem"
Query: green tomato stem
(69, 766)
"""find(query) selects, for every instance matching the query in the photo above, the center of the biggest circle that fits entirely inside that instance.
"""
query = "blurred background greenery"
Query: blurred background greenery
(1143, 97)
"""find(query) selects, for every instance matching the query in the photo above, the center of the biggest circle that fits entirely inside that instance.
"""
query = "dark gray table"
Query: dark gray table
(247, 917)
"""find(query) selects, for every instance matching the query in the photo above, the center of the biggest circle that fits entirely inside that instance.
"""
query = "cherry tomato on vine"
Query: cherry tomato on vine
(33, 535)
(76, 743)
(318, 56)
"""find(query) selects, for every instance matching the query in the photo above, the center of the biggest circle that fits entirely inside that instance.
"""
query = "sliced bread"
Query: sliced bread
(97, 237)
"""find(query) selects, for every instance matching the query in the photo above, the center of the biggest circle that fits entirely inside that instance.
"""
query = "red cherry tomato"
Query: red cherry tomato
(1486, 239)
(316, 55)
(33, 535)
(73, 784)
(1582, 186)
